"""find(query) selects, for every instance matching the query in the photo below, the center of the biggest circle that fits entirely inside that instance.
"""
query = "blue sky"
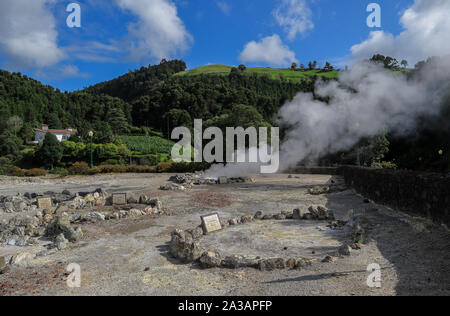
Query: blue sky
(119, 35)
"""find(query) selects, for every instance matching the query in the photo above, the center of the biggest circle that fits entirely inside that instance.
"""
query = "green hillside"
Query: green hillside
(273, 73)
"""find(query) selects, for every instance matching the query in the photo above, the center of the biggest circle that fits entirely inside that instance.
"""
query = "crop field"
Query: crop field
(274, 73)
(147, 144)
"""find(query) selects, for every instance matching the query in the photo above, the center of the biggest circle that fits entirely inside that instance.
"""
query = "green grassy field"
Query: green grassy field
(274, 73)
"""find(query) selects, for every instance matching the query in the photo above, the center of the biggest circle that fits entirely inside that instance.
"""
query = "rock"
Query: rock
(272, 264)
(11, 242)
(222, 180)
(66, 192)
(94, 217)
(302, 263)
(234, 262)
(210, 260)
(102, 192)
(268, 217)
(5, 270)
(196, 233)
(19, 231)
(235, 221)
(135, 213)
(143, 199)
(22, 257)
(356, 246)
(61, 242)
(279, 217)
(183, 247)
(328, 259)
(155, 203)
(47, 212)
(319, 190)
(2, 262)
(149, 210)
(291, 263)
(62, 225)
(47, 218)
(259, 215)
(246, 219)
(299, 213)
(290, 176)
(132, 199)
(89, 198)
(22, 241)
(345, 250)
(9, 207)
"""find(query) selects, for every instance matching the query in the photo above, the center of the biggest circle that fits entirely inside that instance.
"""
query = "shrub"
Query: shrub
(389, 165)
(108, 169)
(36, 172)
(110, 162)
(141, 169)
(163, 167)
(59, 171)
(5, 165)
(79, 168)
(17, 172)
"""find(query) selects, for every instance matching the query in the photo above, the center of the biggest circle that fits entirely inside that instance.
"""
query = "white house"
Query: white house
(61, 134)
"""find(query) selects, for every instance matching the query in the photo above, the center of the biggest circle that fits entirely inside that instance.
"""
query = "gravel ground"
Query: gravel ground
(129, 257)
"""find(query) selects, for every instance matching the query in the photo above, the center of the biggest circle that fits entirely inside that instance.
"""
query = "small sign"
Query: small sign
(45, 202)
(119, 199)
(223, 180)
(211, 223)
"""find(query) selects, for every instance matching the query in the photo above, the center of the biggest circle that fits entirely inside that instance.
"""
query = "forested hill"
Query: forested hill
(157, 97)
(139, 82)
(35, 104)
(161, 97)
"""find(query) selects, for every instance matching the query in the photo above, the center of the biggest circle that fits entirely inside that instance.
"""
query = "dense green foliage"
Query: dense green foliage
(147, 144)
(51, 151)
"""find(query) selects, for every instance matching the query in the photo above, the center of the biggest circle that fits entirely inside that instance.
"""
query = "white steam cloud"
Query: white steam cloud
(364, 102)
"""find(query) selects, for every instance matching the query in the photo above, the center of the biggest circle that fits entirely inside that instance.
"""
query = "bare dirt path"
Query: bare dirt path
(129, 257)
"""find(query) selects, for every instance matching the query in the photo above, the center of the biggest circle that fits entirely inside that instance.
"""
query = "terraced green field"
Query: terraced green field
(274, 73)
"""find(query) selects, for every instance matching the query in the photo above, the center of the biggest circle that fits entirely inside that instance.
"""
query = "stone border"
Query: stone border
(184, 244)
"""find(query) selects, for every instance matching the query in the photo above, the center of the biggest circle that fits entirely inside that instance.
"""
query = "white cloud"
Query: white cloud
(269, 50)
(224, 7)
(159, 33)
(294, 16)
(72, 71)
(426, 32)
(28, 35)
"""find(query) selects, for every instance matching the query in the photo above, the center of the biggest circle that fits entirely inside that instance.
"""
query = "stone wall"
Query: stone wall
(418, 193)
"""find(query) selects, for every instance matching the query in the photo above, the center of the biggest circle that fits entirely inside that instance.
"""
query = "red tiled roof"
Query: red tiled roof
(57, 131)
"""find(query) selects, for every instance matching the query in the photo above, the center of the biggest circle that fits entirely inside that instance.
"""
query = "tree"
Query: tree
(242, 68)
(53, 121)
(310, 65)
(302, 67)
(117, 120)
(9, 146)
(26, 132)
(404, 63)
(176, 118)
(103, 133)
(328, 67)
(387, 61)
(294, 66)
(51, 152)
(15, 123)
(314, 64)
